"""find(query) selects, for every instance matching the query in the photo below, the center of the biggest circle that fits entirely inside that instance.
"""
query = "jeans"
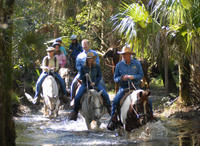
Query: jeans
(43, 75)
(83, 89)
(41, 79)
(119, 96)
(75, 83)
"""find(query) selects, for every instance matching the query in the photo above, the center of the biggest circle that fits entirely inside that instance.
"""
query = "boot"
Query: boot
(112, 125)
(73, 115)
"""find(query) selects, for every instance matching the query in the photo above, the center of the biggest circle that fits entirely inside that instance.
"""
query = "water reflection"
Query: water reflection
(37, 130)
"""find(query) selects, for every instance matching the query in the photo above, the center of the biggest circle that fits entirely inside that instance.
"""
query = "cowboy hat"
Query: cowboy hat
(50, 49)
(90, 55)
(126, 49)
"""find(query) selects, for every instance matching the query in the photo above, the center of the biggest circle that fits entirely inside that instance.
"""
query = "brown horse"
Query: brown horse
(112, 53)
(135, 110)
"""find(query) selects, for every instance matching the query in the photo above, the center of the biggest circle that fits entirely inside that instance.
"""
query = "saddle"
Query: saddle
(127, 93)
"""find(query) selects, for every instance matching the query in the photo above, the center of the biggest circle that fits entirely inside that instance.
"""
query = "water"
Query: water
(34, 129)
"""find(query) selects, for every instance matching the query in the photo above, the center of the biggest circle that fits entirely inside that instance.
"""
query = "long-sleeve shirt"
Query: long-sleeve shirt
(94, 73)
(134, 68)
(51, 63)
(61, 59)
(81, 58)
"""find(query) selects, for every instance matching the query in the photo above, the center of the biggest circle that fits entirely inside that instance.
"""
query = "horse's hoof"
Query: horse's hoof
(73, 116)
(111, 126)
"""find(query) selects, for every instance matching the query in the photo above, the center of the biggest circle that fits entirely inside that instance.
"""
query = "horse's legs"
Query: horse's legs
(45, 110)
(57, 108)
(88, 123)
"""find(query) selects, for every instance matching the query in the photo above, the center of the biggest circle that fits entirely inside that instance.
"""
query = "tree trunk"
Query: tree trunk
(166, 70)
(184, 81)
(7, 128)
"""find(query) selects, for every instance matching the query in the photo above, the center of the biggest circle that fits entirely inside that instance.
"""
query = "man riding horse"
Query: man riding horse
(90, 75)
(128, 73)
(49, 62)
(80, 61)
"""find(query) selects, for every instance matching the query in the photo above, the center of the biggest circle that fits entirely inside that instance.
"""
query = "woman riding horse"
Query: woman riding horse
(90, 76)
(128, 74)
(49, 62)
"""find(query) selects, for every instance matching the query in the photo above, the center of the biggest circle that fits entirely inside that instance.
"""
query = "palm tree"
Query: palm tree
(183, 19)
(139, 28)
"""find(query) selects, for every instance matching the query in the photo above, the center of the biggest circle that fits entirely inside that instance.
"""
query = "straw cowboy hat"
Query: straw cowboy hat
(90, 55)
(49, 49)
(126, 49)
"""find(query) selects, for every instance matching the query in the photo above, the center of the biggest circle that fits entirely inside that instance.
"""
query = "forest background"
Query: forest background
(165, 32)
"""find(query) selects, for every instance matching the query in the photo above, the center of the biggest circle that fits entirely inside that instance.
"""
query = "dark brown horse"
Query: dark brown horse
(112, 53)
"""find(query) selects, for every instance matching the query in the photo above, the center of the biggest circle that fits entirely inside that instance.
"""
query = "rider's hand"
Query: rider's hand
(131, 77)
(80, 81)
(125, 77)
(92, 84)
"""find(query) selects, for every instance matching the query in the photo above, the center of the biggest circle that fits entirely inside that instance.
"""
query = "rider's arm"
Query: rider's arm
(117, 75)
(78, 63)
(44, 62)
(140, 73)
(82, 75)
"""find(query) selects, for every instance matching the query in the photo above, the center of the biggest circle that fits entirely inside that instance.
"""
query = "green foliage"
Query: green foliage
(14, 98)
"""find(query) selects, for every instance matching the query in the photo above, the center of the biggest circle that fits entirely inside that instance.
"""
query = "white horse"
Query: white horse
(50, 94)
(92, 107)
(135, 110)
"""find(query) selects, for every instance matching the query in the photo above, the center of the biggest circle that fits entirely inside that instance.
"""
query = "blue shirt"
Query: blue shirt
(76, 49)
(134, 68)
(63, 50)
(81, 58)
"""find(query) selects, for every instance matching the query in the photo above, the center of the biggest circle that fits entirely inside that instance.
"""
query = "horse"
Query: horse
(135, 110)
(92, 107)
(66, 74)
(50, 93)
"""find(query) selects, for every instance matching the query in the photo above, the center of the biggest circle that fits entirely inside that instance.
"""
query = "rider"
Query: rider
(75, 48)
(127, 72)
(59, 40)
(93, 72)
(80, 60)
(59, 55)
(49, 63)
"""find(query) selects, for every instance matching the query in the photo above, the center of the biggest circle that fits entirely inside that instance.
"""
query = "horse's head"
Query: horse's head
(95, 103)
(138, 110)
(139, 106)
(109, 53)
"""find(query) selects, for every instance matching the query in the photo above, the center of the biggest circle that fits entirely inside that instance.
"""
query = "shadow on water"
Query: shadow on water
(37, 130)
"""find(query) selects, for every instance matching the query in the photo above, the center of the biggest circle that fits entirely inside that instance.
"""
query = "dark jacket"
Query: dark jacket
(76, 49)
(94, 73)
